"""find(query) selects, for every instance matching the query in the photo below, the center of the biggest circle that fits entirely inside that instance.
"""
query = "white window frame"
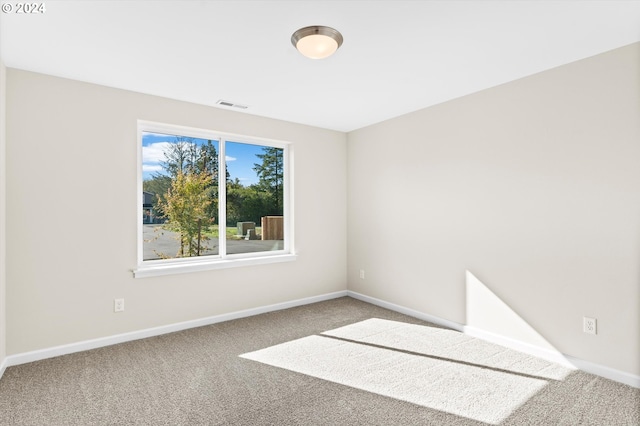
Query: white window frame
(147, 268)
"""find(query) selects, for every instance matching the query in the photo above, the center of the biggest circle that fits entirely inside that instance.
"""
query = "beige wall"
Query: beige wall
(3, 228)
(71, 238)
(532, 187)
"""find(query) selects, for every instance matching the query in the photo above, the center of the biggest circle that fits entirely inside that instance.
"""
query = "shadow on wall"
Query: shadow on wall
(492, 319)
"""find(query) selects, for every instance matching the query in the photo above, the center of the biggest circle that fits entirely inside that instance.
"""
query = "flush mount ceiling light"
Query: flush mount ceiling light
(316, 42)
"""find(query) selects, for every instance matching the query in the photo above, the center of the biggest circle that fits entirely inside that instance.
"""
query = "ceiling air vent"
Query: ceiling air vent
(231, 104)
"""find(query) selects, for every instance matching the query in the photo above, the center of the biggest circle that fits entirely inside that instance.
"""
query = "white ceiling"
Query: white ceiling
(397, 56)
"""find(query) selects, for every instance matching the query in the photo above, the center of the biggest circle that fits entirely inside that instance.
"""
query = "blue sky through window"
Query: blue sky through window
(240, 157)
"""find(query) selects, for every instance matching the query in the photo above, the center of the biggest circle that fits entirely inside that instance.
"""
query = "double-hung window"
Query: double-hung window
(210, 200)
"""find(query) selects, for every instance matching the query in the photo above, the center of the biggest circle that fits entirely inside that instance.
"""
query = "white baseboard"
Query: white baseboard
(587, 366)
(604, 371)
(537, 351)
(41, 354)
(407, 311)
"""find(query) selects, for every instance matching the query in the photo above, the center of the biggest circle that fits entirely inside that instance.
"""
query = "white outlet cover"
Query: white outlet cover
(589, 325)
(118, 305)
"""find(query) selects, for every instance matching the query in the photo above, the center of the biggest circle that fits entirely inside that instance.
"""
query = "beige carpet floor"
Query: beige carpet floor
(340, 362)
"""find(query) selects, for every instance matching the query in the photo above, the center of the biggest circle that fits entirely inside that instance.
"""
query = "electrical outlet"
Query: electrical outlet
(118, 305)
(362, 274)
(589, 325)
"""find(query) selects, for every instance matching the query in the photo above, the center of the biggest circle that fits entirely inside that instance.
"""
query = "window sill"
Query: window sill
(144, 271)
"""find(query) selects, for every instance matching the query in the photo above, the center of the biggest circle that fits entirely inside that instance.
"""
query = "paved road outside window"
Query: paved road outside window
(160, 243)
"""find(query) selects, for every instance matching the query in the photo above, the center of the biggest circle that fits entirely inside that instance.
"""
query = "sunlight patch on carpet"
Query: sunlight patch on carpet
(441, 342)
(418, 364)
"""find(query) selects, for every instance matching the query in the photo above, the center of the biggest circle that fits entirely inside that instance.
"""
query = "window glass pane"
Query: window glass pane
(255, 198)
(180, 196)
